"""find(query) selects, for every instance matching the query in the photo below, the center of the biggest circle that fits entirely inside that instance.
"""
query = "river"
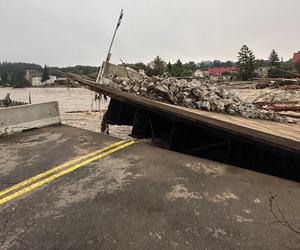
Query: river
(78, 100)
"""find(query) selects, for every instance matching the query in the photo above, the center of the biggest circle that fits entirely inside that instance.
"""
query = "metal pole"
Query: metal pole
(101, 71)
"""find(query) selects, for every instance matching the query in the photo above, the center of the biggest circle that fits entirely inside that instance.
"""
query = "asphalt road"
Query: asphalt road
(135, 197)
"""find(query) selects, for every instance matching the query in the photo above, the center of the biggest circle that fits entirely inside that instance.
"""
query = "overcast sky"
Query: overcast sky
(72, 32)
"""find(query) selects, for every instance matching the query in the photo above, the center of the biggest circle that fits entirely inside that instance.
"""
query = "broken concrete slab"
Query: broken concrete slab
(195, 94)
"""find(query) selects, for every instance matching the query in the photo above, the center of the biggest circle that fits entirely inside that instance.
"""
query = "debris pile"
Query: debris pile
(278, 83)
(194, 94)
(8, 102)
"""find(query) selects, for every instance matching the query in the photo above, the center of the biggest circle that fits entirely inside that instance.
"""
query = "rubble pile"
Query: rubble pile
(194, 94)
(278, 83)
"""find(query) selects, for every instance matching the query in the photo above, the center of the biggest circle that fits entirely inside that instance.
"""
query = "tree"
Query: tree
(251, 64)
(275, 73)
(216, 63)
(288, 65)
(170, 69)
(228, 64)
(78, 69)
(158, 67)
(4, 78)
(45, 75)
(177, 68)
(261, 63)
(246, 61)
(18, 79)
(274, 58)
(297, 67)
(191, 66)
(13, 73)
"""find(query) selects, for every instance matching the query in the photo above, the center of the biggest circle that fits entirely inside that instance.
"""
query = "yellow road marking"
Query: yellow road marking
(63, 172)
(59, 167)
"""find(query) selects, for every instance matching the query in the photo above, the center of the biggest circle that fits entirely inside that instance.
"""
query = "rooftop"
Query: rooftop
(296, 57)
(218, 71)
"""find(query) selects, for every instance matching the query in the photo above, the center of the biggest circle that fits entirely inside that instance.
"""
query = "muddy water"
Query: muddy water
(70, 100)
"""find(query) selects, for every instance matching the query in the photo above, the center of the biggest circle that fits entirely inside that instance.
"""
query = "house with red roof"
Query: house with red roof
(296, 57)
(220, 74)
(219, 71)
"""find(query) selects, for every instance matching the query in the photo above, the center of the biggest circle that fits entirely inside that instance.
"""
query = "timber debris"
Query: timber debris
(278, 83)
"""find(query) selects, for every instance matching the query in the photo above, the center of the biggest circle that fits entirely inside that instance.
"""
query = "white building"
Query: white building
(199, 73)
(36, 81)
(51, 80)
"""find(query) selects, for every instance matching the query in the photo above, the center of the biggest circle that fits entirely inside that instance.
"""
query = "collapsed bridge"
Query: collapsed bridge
(264, 146)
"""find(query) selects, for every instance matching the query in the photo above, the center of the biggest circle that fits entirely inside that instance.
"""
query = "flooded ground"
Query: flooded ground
(75, 104)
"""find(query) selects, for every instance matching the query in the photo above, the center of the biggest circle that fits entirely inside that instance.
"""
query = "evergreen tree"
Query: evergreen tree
(170, 69)
(45, 75)
(177, 68)
(246, 61)
(251, 64)
(159, 66)
(274, 58)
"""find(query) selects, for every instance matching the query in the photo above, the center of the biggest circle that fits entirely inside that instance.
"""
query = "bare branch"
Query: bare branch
(278, 214)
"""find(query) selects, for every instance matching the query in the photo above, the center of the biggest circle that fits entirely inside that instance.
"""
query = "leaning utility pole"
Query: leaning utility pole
(101, 71)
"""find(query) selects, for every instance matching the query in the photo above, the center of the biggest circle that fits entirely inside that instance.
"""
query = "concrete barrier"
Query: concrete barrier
(24, 117)
(112, 70)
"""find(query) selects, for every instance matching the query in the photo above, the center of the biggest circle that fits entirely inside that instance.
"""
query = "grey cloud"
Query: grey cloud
(69, 32)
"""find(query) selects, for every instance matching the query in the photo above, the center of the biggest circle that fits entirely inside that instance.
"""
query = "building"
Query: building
(296, 57)
(219, 71)
(30, 74)
(51, 80)
(199, 73)
(262, 71)
(61, 81)
(221, 74)
(35, 78)
(36, 81)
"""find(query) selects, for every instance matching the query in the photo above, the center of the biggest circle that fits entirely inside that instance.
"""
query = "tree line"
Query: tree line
(178, 69)
(246, 65)
(13, 74)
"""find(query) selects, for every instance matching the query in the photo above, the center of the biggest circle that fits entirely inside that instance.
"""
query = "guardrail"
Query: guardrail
(24, 117)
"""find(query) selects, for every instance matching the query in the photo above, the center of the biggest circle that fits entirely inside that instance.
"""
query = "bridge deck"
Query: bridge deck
(285, 136)
(138, 197)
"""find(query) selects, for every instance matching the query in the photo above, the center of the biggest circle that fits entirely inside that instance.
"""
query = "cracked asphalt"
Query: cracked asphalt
(139, 197)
